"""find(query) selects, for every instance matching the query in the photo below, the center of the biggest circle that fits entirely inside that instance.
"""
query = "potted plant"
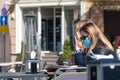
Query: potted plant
(67, 52)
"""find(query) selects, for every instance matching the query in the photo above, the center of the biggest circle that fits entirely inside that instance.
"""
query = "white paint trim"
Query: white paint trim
(82, 3)
(18, 29)
(62, 27)
(39, 30)
(37, 4)
(48, 3)
(68, 3)
(54, 33)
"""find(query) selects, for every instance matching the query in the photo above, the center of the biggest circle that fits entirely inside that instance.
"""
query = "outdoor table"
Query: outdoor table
(52, 70)
(5, 75)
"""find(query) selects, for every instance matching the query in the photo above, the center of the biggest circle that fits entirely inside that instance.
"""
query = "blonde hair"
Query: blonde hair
(95, 35)
(78, 27)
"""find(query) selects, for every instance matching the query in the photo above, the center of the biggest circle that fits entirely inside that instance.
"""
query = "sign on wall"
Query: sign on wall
(3, 23)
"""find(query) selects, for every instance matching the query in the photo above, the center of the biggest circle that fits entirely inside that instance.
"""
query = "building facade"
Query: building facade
(50, 22)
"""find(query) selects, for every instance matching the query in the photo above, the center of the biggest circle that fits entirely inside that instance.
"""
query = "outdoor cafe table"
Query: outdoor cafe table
(53, 69)
(5, 75)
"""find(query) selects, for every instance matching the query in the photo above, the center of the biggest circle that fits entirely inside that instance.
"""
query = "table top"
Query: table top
(63, 68)
(21, 74)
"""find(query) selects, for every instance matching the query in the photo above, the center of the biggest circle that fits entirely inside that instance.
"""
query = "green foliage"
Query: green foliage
(114, 42)
(23, 51)
(108, 37)
(67, 51)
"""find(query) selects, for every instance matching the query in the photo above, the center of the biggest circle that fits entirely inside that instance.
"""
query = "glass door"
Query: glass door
(58, 34)
(44, 36)
(58, 29)
(51, 31)
(50, 35)
(47, 35)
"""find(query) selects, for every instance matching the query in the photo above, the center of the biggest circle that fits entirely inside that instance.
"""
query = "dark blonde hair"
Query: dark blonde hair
(96, 35)
(78, 26)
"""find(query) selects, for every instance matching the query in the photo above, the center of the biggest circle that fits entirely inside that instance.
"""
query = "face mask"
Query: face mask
(86, 42)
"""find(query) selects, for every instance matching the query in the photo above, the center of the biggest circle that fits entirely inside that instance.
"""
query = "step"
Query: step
(50, 56)
(50, 59)
(50, 63)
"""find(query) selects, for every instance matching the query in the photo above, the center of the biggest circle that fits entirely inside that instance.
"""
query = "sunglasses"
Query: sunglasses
(83, 37)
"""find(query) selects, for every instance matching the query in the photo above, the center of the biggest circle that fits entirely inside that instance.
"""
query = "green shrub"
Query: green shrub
(67, 51)
(23, 51)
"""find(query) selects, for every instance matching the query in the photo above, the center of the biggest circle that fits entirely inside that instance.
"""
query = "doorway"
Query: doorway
(51, 36)
(112, 23)
(51, 30)
(47, 35)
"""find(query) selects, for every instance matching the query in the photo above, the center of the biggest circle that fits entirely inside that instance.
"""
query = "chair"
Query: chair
(75, 70)
(72, 76)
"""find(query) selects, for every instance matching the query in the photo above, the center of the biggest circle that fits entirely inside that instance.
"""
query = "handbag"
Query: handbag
(101, 52)
(101, 49)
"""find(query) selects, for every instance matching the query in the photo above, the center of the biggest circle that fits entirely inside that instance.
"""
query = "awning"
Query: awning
(27, 3)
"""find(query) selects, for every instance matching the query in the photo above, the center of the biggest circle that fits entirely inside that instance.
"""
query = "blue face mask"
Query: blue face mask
(86, 42)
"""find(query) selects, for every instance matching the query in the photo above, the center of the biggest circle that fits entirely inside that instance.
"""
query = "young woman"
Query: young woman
(79, 58)
(92, 39)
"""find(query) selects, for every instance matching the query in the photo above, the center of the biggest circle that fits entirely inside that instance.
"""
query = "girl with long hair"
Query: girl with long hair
(91, 38)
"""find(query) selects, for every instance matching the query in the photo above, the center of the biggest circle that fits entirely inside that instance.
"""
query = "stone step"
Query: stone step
(50, 62)
(50, 58)
(50, 55)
